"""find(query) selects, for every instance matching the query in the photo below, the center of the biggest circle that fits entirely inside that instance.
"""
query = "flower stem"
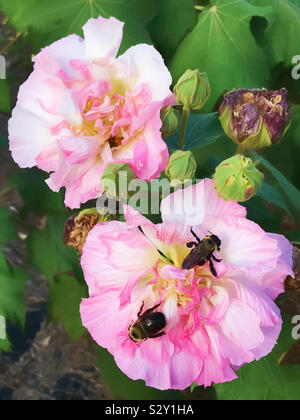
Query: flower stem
(10, 43)
(185, 117)
(255, 157)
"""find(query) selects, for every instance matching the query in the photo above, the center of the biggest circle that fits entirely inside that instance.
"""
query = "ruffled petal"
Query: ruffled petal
(216, 368)
(113, 254)
(104, 328)
(78, 149)
(29, 134)
(242, 325)
(102, 37)
(56, 59)
(143, 64)
(79, 180)
(245, 246)
(194, 205)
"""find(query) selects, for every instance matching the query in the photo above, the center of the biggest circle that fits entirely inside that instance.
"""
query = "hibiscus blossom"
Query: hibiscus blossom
(214, 323)
(82, 108)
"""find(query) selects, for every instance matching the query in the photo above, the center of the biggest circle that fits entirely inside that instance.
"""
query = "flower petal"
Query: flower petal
(242, 325)
(113, 253)
(195, 204)
(78, 149)
(244, 246)
(143, 64)
(102, 37)
(29, 134)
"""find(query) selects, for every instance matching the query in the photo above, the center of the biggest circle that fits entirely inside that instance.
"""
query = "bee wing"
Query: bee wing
(195, 257)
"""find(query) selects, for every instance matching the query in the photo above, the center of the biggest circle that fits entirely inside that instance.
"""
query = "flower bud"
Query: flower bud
(192, 90)
(255, 119)
(237, 179)
(170, 121)
(181, 166)
(77, 228)
(116, 179)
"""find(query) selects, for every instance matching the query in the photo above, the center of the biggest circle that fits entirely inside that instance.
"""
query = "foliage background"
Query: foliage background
(240, 44)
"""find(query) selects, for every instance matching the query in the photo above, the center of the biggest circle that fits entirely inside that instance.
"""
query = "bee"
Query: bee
(148, 325)
(202, 251)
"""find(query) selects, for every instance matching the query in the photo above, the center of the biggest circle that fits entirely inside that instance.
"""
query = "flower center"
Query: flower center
(112, 118)
(184, 289)
(172, 287)
(105, 118)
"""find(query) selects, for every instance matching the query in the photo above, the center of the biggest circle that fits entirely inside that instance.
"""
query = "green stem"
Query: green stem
(255, 158)
(185, 117)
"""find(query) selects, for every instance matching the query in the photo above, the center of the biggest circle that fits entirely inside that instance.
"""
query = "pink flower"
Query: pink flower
(82, 108)
(214, 324)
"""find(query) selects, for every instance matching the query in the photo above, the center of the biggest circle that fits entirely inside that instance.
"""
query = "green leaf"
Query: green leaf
(293, 236)
(12, 283)
(281, 38)
(49, 20)
(4, 142)
(5, 104)
(65, 298)
(5, 345)
(202, 129)
(285, 156)
(7, 230)
(173, 20)
(124, 388)
(222, 45)
(258, 212)
(265, 379)
(37, 196)
(294, 130)
(287, 189)
(271, 195)
(193, 386)
(48, 253)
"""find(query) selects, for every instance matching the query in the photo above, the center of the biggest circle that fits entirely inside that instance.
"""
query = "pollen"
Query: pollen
(170, 287)
(99, 118)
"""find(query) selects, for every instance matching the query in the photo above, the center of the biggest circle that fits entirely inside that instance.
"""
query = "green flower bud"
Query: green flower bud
(181, 166)
(170, 121)
(116, 179)
(237, 179)
(255, 119)
(192, 90)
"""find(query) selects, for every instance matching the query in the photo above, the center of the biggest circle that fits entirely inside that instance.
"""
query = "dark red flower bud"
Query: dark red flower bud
(255, 118)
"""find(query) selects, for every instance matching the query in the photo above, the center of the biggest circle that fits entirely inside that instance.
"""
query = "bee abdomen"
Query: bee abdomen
(154, 322)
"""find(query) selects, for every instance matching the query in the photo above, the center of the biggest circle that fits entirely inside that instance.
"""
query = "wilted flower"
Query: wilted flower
(238, 179)
(181, 166)
(192, 90)
(170, 121)
(213, 324)
(83, 108)
(255, 118)
(77, 228)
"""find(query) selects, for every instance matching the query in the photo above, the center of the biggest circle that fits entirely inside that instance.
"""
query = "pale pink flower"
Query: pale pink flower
(82, 108)
(214, 325)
